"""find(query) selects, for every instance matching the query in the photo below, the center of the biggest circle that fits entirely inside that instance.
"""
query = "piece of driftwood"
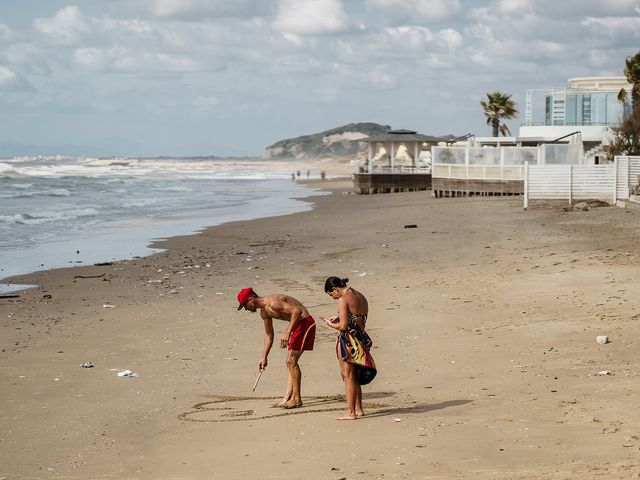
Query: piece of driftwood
(89, 276)
(9, 296)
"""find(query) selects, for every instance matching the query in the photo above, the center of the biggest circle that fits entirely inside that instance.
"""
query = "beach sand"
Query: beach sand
(484, 320)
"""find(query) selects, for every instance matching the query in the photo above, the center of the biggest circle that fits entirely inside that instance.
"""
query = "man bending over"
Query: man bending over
(298, 336)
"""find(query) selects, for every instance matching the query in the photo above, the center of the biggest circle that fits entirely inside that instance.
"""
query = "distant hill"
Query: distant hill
(337, 143)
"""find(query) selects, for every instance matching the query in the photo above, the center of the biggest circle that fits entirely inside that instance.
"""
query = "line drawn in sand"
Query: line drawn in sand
(225, 408)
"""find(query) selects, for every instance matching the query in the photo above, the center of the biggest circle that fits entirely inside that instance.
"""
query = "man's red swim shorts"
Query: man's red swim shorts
(303, 335)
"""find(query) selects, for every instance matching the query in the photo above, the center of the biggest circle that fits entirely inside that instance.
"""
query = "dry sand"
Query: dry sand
(484, 320)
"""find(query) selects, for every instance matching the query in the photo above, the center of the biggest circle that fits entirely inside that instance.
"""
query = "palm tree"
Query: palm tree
(499, 107)
(626, 140)
(632, 72)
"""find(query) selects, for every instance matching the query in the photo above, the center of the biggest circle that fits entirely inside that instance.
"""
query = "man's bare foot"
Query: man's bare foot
(359, 413)
(290, 405)
(347, 416)
(280, 404)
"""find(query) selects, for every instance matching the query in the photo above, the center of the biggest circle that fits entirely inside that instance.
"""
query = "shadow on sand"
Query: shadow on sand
(417, 408)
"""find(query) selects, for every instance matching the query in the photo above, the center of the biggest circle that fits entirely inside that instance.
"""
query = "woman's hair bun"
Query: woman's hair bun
(334, 282)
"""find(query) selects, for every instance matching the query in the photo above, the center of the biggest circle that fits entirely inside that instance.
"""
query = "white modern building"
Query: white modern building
(589, 106)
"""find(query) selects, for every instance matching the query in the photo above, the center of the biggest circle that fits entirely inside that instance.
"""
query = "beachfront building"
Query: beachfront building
(588, 106)
(396, 160)
(563, 126)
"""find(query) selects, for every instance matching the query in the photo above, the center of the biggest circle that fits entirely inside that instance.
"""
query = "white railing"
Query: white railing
(398, 169)
(479, 172)
(502, 163)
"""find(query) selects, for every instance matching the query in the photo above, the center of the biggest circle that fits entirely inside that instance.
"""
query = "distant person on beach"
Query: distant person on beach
(353, 343)
(299, 335)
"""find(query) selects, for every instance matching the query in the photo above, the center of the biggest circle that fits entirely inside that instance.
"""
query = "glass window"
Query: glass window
(579, 112)
(548, 107)
(570, 110)
(586, 109)
(598, 108)
(614, 109)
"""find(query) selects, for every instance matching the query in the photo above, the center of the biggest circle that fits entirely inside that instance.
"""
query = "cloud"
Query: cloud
(206, 102)
(452, 38)
(508, 7)
(6, 33)
(615, 27)
(10, 81)
(585, 8)
(421, 39)
(198, 9)
(310, 17)
(414, 11)
(566, 9)
(67, 27)
(404, 47)
(125, 59)
(381, 79)
(26, 57)
(71, 38)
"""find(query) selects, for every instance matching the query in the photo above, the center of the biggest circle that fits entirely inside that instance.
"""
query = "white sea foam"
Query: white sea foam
(47, 216)
(22, 186)
(132, 167)
(6, 169)
(56, 192)
(142, 203)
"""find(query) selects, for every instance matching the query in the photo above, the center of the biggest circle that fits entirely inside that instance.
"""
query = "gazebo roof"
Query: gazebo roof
(401, 136)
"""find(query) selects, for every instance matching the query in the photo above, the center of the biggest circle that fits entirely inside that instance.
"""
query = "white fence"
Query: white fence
(582, 182)
(628, 173)
(570, 182)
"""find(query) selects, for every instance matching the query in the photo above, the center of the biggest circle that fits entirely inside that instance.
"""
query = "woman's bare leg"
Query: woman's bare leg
(350, 388)
(358, 406)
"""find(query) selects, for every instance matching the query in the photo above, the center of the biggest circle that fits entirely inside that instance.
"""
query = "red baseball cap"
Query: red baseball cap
(244, 295)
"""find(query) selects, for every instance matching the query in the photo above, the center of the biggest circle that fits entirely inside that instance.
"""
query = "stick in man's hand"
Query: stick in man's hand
(257, 379)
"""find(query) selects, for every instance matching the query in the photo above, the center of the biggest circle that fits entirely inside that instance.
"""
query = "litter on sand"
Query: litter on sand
(86, 365)
(127, 373)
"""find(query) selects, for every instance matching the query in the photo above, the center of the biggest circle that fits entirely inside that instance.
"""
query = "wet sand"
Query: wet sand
(484, 320)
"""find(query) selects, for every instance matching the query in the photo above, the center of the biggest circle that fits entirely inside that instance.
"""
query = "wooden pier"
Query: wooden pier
(391, 182)
(461, 187)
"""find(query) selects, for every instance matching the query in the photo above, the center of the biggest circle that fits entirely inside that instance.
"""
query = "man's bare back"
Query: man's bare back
(282, 307)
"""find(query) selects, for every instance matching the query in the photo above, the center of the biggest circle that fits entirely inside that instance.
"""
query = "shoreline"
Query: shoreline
(145, 245)
(483, 319)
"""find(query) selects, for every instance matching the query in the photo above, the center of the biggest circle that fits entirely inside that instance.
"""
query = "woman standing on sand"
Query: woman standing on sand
(352, 347)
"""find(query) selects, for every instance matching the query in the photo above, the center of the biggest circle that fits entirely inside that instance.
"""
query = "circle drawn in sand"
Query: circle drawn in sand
(224, 408)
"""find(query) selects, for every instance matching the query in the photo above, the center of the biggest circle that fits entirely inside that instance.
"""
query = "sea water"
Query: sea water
(61, 211)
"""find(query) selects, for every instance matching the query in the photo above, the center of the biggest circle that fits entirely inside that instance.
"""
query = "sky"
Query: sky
(230, 77)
